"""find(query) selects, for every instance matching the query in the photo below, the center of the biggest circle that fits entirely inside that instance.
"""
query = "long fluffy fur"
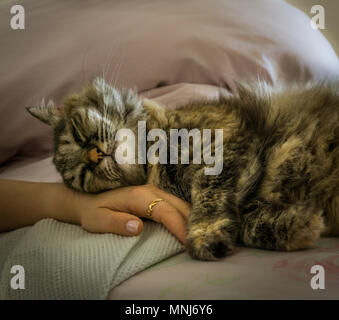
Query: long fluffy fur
(279, 188)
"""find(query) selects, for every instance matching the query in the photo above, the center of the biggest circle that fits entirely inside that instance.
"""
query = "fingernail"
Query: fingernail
(132, 226)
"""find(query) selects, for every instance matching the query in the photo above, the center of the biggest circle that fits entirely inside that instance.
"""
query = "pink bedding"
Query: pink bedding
(248, 274)
(172, 51)
(145, 44)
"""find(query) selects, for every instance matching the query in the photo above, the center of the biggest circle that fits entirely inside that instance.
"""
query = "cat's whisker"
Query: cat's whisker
(102, 131)
(113, 74)
(110, 61)
(117, 72)
(109, 172)
(99, 133)
(107, 64)
(84, 65)
(105, 173)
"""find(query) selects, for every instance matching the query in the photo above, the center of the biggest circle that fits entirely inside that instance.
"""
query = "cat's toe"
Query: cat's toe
(202, 244)
(199, 248)
(221, 249)
(304, 233)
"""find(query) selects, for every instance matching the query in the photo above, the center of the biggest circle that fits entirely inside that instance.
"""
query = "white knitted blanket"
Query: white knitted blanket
(63, 261)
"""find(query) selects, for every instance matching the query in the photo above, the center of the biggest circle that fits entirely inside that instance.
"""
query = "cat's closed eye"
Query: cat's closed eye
(78, 135)
(85, 128)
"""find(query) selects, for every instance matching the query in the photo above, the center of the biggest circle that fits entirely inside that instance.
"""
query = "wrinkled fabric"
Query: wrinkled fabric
(145, 44)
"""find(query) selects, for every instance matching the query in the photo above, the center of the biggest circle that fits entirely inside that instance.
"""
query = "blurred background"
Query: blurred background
(331, 31)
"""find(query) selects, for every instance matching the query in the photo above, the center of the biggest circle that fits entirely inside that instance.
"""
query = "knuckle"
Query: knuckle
(162, 210)
(145, 191)
(115, 225)
(150, 187)
(139, 191)
(112, 223)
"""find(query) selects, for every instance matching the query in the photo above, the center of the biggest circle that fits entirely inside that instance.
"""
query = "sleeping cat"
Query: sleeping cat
(279, 184)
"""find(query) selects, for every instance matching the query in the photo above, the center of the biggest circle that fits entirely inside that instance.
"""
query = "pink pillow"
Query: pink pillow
(145, 44)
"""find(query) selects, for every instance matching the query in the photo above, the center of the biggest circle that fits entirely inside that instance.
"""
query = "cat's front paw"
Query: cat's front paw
(304, 232)
(210, 241)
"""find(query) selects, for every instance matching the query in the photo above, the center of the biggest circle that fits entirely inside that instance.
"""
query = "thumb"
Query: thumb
(104, 220)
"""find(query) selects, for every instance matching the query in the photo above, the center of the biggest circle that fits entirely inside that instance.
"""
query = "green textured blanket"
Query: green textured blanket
(63, 261)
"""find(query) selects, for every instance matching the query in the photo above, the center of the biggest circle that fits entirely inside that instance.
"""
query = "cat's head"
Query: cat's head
(84, 135)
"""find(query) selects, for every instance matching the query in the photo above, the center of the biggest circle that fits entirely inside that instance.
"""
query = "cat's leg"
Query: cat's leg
(280, 226)
(212, 229)
(332, 217)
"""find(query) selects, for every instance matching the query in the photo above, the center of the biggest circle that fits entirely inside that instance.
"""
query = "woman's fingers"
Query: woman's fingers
(172, 212)
(104, 220)
(162, 212)
(139, 198)
(171, 218)
(182, 206)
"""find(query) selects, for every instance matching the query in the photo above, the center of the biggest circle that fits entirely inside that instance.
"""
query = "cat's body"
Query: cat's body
(279, 187)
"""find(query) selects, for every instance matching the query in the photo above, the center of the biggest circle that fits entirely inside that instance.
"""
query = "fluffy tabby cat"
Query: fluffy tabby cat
(279, 188)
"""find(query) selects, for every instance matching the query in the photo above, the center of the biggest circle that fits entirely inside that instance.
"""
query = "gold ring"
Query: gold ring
(150, 207)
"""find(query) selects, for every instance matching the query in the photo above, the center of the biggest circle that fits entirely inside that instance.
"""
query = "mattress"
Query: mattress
(247, 274)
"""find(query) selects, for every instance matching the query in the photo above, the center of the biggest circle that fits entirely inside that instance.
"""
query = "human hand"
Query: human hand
(119, 211)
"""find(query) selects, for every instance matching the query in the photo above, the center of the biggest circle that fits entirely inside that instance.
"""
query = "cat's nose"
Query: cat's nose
(95, 155)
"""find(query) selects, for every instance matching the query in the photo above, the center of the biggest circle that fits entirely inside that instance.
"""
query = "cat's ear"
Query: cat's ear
(111, 96)
(133, 104)
(123, 102)
(47, 113)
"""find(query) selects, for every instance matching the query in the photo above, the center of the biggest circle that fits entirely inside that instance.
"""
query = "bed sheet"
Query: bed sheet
(248, 274)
